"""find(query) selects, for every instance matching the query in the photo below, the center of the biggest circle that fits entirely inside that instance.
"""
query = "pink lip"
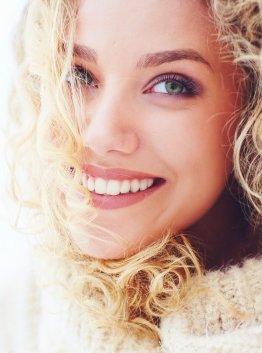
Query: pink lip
(114, 173)
(108, 202)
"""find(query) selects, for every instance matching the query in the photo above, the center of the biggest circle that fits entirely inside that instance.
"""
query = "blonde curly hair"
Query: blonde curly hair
(131, 294)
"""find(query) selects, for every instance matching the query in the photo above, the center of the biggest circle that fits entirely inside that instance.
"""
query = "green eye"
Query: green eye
(173, 87)
(169, 87)
(82, 77)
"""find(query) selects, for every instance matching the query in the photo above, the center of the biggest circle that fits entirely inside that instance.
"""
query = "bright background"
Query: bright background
(12, 243)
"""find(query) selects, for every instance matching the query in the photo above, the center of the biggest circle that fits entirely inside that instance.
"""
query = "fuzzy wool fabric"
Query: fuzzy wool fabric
(33, 320)
(206, 325)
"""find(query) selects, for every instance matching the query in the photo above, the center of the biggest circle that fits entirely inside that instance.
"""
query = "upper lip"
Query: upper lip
(114, 173)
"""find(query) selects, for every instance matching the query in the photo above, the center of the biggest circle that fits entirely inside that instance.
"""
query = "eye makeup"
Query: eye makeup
(172, 84)
(81, 77)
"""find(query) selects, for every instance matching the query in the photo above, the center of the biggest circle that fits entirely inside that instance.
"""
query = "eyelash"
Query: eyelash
(190, 88)
(78, 79)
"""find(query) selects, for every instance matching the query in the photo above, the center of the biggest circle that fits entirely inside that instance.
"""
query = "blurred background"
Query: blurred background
(12, 243)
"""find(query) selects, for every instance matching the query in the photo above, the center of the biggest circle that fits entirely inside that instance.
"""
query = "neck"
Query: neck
(224, 235)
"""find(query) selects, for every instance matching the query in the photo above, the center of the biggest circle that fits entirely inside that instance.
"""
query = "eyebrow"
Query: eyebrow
(85, 53)
(156, 59)
(147, 60)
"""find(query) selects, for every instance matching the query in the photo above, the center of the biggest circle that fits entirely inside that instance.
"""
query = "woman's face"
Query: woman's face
(158, 104)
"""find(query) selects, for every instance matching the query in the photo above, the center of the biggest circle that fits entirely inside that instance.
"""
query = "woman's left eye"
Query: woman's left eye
(173, 84)
(170, 87)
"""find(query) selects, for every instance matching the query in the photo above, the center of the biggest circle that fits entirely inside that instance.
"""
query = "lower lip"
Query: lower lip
(108, 202)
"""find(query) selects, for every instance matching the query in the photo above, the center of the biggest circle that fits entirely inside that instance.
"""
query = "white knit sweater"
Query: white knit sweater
(34, 321)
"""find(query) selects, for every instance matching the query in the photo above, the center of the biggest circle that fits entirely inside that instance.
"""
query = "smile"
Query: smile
(115, 187)
(118, 189)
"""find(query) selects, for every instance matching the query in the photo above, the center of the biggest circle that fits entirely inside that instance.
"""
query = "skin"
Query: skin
(184, 139)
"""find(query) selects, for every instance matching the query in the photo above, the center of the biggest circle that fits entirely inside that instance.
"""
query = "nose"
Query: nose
(110, 127)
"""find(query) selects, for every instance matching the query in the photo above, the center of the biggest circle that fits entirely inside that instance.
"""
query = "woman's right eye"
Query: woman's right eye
(81, 77)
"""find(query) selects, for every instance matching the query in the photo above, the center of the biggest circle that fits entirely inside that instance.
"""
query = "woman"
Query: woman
(140, 137)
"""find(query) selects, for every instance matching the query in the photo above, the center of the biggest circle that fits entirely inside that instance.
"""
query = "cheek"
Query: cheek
(192, 140)
(195, 157)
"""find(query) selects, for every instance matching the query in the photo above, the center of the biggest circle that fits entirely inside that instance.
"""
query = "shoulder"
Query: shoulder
(208, 321)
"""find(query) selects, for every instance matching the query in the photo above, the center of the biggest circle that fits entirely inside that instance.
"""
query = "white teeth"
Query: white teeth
(134, 186)
(150, 182)
(143, 184)
(125, 187)
(100, 186)
(113, 187)
(90, 184)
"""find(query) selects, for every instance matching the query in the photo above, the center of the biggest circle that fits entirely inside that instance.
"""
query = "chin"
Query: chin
(101, 248)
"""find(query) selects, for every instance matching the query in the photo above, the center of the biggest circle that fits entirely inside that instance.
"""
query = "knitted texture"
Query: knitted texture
(34, 321)
(206, 325)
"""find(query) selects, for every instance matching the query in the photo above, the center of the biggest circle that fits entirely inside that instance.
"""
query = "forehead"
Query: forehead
(133, 28)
